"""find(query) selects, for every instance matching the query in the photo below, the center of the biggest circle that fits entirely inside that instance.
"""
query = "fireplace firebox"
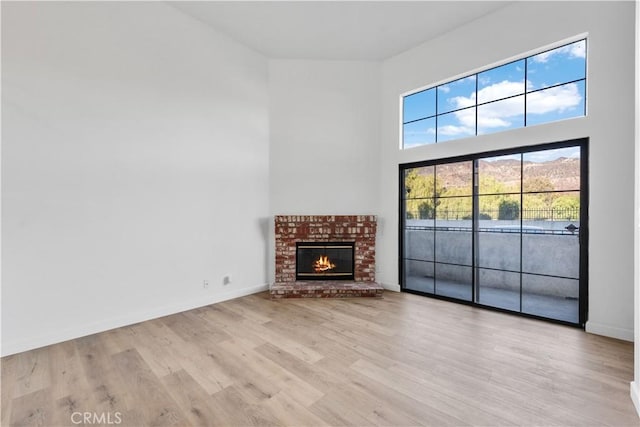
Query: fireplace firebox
(325, 260)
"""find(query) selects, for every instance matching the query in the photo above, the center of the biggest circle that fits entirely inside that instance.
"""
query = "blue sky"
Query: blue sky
(561, 65)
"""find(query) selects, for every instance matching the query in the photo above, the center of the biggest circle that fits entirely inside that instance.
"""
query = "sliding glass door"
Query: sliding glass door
(498, 231)
(505, 230)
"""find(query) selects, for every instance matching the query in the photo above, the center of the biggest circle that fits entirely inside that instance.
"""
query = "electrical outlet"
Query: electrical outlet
(205, 284)
(226, 279)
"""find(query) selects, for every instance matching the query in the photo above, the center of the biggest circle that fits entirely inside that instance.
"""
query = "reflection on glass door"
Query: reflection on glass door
(438, 236)
(419, 229)
(498, 237)
(551, 233)
(453, 232)
(504, 231)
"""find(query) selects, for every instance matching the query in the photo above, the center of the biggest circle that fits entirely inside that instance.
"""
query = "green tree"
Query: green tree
(508, 209)
(455, 207)
(490, 185)
(491, 193)
(422, 195)
(567, 207)
(538, 205)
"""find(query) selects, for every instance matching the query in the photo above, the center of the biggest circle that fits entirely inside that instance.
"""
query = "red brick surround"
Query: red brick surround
(360, 229)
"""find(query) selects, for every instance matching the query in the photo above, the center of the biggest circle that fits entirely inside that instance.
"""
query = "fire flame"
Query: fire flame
(323, 264)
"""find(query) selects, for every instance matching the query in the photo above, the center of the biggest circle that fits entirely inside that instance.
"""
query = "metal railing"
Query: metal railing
(535, 214)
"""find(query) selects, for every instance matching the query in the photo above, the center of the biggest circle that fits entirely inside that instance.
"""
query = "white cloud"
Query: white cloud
(447, 87)
(451, 130)
(463, 101)
(496, 114)
(467, 117)
(500, 90)
(483, 80)
(500, 114)
(489, 122)
(419, 134)
(558, 99)
(578, 50)
(574, 50)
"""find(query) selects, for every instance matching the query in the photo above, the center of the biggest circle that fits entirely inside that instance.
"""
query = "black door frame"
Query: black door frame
(583, 236)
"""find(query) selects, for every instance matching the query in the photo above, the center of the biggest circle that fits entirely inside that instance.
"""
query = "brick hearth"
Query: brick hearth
(290, 229)
(326, 289)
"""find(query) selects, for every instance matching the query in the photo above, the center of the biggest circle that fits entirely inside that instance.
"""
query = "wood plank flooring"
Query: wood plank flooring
(402, 360)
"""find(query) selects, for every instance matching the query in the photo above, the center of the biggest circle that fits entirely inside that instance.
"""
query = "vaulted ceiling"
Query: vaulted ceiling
(335, 30)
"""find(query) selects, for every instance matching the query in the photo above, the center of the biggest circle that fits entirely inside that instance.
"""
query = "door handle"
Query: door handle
(572, 228)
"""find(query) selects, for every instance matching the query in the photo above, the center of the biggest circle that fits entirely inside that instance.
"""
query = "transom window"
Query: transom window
(541, 88)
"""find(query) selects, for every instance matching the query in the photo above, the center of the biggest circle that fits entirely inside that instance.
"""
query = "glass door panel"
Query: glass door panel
(551, 170)
(551, 297)
(551, 233)
(503, 231)
(453, 230)
(419, 276)
(500, 174)
(498, 288)
(549, 253)
(419, 256)
(419, 229)
(498, 237)
(498, 261)
(454, 281)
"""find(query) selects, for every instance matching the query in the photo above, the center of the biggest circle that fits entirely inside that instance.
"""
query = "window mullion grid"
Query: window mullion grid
(585, 78)
(525, 93)
(558, 85)
(436, 138)
(435, 228)
(476, 105)
(526, 62)
(521, 211)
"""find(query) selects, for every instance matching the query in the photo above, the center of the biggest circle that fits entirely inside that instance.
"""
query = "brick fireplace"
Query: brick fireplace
(293, 230)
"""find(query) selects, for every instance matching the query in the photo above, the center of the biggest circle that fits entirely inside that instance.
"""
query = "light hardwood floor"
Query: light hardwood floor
(402, 360)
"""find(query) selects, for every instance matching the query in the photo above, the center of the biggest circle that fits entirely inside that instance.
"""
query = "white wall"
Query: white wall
(511, 31)
(325, 133)
(135, 166)
(635, 384)
(324, 136)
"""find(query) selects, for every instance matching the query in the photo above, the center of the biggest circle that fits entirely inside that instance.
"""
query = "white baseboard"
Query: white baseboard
(393, 288)
(78, 331)
(609, 331)
(635, 396)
